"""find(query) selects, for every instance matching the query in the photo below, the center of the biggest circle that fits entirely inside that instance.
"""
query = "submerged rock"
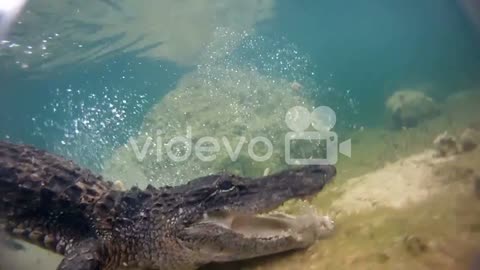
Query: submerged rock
(415, 245)
(214, 121)
(409, 108)
(445, 145)
(469, 140)
(476, 186)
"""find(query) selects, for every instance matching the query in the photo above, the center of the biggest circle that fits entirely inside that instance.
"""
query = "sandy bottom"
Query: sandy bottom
(417, 213)
(397, 185)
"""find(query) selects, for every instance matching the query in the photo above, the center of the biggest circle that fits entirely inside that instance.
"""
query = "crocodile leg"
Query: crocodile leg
(88, 254)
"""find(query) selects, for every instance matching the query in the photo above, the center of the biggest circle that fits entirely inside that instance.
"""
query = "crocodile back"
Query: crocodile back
(46, 199)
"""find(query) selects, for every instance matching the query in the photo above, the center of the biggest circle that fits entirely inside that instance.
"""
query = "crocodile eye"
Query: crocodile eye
(226, 186)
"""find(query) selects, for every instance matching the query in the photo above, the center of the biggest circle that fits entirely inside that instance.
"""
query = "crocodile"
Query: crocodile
(52, 202)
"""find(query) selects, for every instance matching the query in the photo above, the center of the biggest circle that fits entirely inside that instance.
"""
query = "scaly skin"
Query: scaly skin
(51, 202)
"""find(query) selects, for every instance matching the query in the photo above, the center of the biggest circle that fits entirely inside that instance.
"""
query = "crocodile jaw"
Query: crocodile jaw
(271, 225)
(233, 219)
(227, 236)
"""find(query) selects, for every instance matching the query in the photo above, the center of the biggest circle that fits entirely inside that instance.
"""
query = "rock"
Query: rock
(476, 186)
(409, 108)
(233, 108)
(415, 245)
(445, 145)
(474, 228)
(469, 140)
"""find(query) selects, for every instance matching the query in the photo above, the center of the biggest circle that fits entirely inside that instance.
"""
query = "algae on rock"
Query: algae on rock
(409, 108)
(232, 107)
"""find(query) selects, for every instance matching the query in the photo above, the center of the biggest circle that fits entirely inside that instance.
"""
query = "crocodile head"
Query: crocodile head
(227, 218)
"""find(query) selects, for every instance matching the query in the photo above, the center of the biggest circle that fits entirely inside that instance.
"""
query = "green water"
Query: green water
(87, 80)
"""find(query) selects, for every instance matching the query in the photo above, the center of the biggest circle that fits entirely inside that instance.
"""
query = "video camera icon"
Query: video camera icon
(323, 119)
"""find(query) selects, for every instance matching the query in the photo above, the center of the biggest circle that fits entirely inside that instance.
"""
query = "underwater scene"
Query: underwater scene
(228, 134)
